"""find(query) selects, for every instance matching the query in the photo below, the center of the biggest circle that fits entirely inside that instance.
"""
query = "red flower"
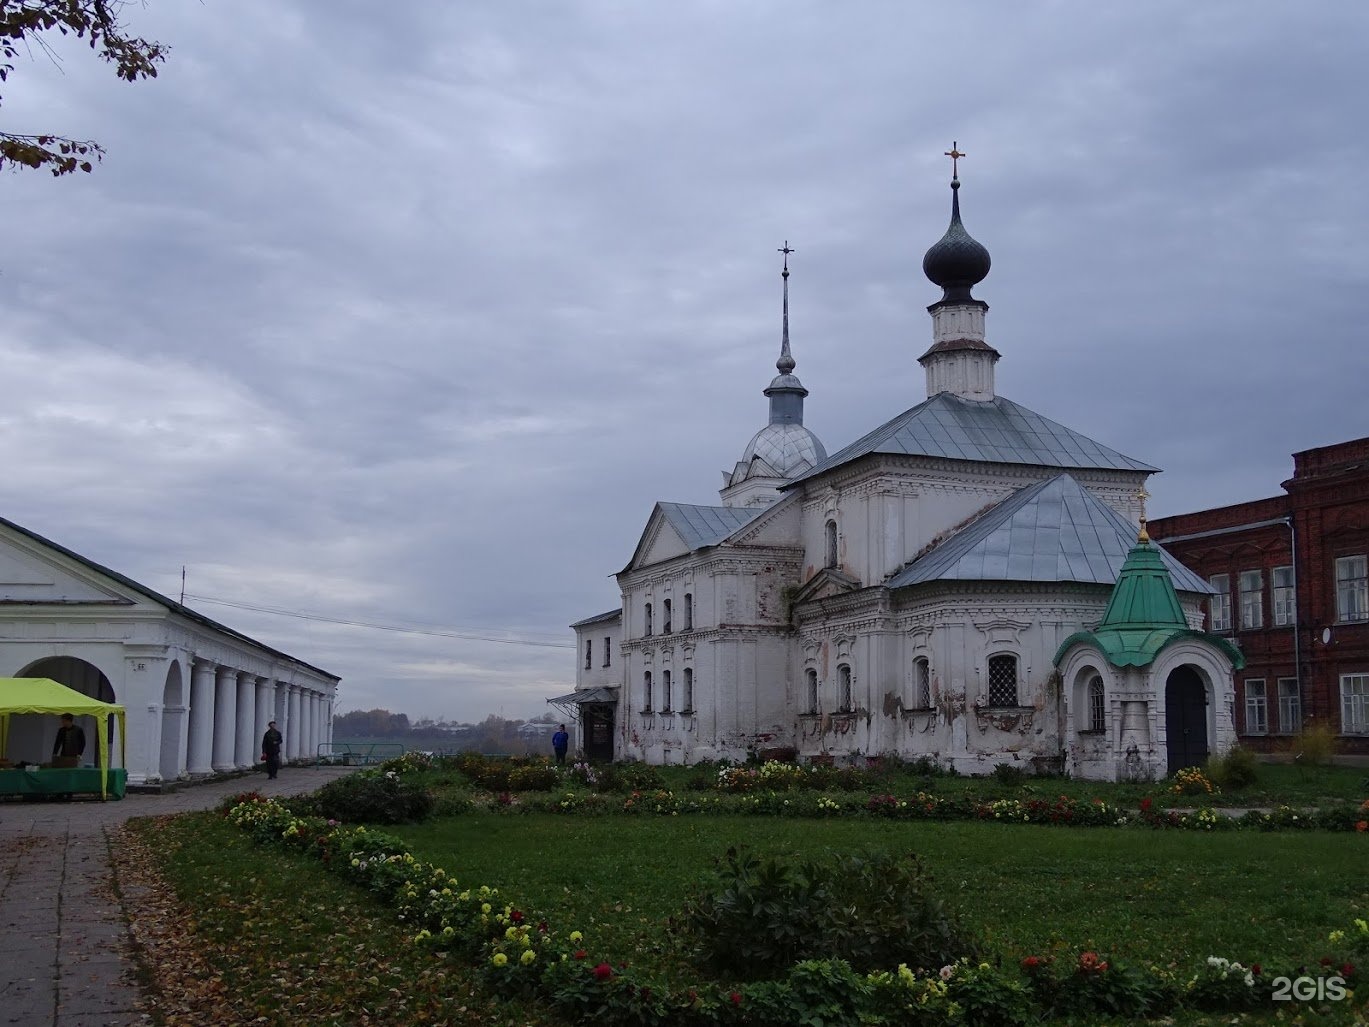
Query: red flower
(542, 927)
(1362, 826)
(1090, 963)
(580, 953)
(736, 998)
(1347, 969)
(1031, 963)
(1146, 803)
(1256, 969)
(603, 971)
(516, 916)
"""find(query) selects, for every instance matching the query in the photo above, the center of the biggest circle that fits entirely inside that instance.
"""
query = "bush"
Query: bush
(630, 777)
(536, 777)
(1314, 745)
(372, 797)
(1008, 774)
(872, 909)
(1235, 768)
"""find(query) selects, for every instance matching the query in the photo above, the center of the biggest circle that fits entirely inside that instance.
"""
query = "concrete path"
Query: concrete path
(64, 937)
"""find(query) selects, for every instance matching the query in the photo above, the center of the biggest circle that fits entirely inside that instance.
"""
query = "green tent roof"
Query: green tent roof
(1143, 616)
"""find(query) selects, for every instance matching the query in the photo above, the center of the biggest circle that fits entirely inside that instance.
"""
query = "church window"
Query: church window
(665, 617)
(831, 543)
(648, 619)
(646, 692)
(665, 691)
(589, 653)
(1219, 605)
(1352, 588)
(811, 682)
(1354, 704)
(689, 611)
(1285, 602)
(922, 683)
(1290, 706)
(1256, 707)
(1003, 680)
(844, 688)
(688, 706)
(1097, 706)
(1252, 599)
(608, 658)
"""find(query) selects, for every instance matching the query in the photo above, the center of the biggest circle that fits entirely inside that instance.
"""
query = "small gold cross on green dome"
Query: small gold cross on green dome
(1143, 495)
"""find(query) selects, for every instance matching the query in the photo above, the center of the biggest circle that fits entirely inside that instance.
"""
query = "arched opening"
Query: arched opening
(831, 543)
(173, 723)
(32, 734)
(1186, 718)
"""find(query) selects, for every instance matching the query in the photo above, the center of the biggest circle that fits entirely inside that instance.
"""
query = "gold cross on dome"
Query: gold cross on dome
(955, 155)
(1143, 495)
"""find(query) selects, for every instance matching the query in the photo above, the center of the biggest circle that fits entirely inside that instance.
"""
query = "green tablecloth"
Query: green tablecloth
(75, 781)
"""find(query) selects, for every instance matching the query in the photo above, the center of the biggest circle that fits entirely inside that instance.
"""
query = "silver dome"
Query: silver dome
(787, 449)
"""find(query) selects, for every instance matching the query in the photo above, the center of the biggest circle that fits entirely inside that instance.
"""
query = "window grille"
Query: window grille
(922, 677)
(844, 677)
(1003, 680)
(1098, 714)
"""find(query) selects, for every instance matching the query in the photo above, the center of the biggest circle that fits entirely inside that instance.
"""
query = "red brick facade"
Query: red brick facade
(1310, 655)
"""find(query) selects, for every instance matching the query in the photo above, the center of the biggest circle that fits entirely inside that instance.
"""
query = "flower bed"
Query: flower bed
(521, 952)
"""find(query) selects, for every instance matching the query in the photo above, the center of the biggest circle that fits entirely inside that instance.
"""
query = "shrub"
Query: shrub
(373, 797)
(536, 777)
(630, 777)
(1192, 781)
(872, 909)
(1314, 745)
(1008, 774)
(1236, 768)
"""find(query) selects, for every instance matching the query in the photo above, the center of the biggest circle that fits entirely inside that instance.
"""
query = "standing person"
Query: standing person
(270, 750)
(559, 743)
(71, 740)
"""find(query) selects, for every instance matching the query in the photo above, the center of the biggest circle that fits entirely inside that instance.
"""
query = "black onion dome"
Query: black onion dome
(956, 262)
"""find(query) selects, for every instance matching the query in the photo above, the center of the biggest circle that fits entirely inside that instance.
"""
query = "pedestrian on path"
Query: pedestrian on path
(559, 743)
(270, 750)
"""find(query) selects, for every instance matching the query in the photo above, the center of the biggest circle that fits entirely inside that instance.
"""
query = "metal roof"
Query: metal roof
(703, 526)
(992, 431)
(1053, 531)
(599, 618)
(606, 693)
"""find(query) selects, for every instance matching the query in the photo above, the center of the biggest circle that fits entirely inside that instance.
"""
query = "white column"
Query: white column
(225, 718)
(266, 711)
(292, 724)
(328, 720)
(310, 725)
(243, 754)
(200, 746)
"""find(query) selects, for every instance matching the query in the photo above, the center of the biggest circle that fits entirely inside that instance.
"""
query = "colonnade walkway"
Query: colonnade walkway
(64, 936)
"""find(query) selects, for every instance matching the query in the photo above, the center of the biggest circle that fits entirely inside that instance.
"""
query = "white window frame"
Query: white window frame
(1354, 704)
(1219, 606)
(845, 701)
(810, 680)
(1290, 706)
(1097, 700)
(589, 653)
(1252, 600)
(665, 616)
(1284, 589)
(922, 683)
(665, 691)
(688, 690)
(1352, 589)
(646, 691)
(689, 611)
(1256, 707)
(646, 612)
(608, 651)
(830, 537)
(1017, 681)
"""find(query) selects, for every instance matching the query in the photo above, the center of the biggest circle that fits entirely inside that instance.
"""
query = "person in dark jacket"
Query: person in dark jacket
(71, 740)
(559, 743)
(270, 750)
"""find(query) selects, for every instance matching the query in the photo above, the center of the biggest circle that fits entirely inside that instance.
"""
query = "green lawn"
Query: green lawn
(1158, 897)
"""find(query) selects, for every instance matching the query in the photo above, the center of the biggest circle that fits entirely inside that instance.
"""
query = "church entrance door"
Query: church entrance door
(1185, 719)
(597, 721)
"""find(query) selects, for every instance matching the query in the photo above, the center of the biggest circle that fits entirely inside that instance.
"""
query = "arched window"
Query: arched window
(589, 652)
(647, 618)
(689, 611)
(922, 684)
(1097, 709)
(665, 617)
(811, 699)
(1003, 680)
(844, 688)
(646, 692)
(831, 543)
(688, 690)
(665, 691)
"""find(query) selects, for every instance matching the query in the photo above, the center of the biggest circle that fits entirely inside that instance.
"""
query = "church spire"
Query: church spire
(960, 361)
(785, 364)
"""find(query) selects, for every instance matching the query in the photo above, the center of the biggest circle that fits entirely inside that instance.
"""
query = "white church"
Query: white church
(969, 581)
(197, 694)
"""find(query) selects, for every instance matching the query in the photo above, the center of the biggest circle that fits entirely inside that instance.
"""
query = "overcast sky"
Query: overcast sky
(406, 314)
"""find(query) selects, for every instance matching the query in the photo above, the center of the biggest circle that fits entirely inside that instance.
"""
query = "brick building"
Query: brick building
(1294, 595)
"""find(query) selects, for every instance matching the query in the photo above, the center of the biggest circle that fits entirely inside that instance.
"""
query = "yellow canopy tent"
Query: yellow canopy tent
(43, 695)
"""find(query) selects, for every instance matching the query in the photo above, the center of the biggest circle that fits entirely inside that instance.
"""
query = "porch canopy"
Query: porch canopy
(579, 697)
(43, 695)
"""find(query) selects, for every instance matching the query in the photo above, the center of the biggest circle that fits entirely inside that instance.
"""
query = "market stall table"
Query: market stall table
(62, 781)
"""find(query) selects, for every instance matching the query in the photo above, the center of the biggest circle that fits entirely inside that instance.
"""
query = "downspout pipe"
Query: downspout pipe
(1297, 615)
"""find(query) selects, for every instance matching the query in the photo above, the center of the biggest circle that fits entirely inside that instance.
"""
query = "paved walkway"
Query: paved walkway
(64, 936)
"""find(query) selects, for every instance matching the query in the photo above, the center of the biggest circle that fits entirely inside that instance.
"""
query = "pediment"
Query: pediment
(34, 574)
(659, 542)
(825, 584)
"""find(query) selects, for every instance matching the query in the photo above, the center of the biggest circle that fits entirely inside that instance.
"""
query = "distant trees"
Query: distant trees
(371, 724)
(493, 734)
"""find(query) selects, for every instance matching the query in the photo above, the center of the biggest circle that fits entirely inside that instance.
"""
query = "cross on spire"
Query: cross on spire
(955, 155)
(1143, 495)
(786, 249)
(785, 364)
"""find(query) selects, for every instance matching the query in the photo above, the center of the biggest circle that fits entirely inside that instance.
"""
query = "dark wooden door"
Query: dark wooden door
(1186, 719)
(597, 721)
